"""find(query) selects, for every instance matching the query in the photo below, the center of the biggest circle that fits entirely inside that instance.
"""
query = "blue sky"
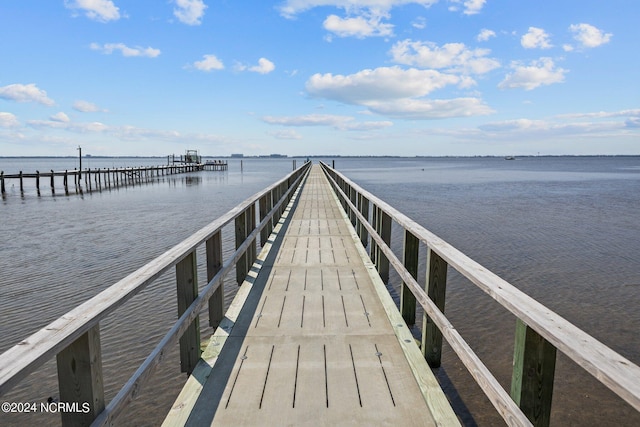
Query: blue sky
(303, 77)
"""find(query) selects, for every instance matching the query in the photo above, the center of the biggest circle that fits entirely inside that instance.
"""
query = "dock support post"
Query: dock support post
(241, 234)
(385, 233)
(53, 188)
(38, 181)
(2, 189)
(436, 287)
(214, 264)
(251, 225)
(373, 249)
(534, 362)
(410, 260)
(80, 378)
(264, 210)
(21, 183)
(66, 182)
(187, 290)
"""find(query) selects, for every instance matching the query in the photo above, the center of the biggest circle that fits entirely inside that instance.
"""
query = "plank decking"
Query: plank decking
(313, 338)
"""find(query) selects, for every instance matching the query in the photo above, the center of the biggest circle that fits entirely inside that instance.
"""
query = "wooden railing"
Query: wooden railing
(102, 178)
(539, 331)
(75, 337)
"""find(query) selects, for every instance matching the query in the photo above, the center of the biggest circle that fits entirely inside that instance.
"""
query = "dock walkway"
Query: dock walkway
(318, 340)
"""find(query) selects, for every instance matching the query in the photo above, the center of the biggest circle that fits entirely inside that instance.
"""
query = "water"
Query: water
(564, 230)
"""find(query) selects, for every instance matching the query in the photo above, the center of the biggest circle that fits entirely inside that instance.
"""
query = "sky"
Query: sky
(319, 77)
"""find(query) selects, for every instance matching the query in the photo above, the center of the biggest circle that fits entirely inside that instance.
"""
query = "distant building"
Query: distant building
(237, 155)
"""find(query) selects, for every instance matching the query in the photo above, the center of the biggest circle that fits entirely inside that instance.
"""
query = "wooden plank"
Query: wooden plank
(410, 260)
(80, 379)
(187, 291)
(214, 264)
(435, 286)
(613, 370)
(534, 363)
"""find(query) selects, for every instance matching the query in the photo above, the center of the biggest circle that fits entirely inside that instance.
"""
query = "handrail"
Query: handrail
(607, 366)
(64, 332)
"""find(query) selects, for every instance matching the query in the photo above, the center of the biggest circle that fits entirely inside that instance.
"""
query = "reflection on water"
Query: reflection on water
(564, 230)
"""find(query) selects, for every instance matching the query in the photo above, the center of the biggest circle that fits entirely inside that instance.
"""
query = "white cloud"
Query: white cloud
(60, 117)
(603, 114)
(428, 109)
(8, 120)
(264, 66)
(538, 73)
(109, 48)
(98, 10)
(384, 83)
(589, 36)
(471, 7)
(420, 23)
(25, 93)
(80, 127)
(210, 62)
(290, 8)
(189, 12)
(567, 47)
(331, 120)
(87, 107)
(453, 56)
(485, 35)
(368, 25)
(396, 92)
(285, 134)
(536, 38)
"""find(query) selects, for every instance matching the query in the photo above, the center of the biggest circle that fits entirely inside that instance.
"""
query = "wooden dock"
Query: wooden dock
(312, 336)
(318, 340)
(103, 178)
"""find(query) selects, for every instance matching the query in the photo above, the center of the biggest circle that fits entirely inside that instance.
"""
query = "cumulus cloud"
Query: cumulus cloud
(538, 73)
(109, 48)
(80, 127)
(331, 120)
(264, 66)
(98, 10)
(452, 56)
(25, 93)
(209, 63)
(290, 8)
(87, 107)
(471, 7)
(396, 92)
(368, 25)
(431, 109)
(189, 12)
(603, 114)
(60, 117)
(536, 38)
(378, 84)
(485, 35)
(589, 36)
(8, 120)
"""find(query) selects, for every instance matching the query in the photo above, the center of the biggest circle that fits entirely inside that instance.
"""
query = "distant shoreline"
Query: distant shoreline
(316, 156)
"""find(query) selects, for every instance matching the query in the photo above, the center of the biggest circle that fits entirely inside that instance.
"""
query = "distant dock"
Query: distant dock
(99, 179)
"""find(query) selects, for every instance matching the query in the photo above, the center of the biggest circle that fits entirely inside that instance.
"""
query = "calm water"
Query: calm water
(564, 230)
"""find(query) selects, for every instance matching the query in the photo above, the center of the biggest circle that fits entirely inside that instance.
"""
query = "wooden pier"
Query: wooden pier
(89, 180)
(312, 336)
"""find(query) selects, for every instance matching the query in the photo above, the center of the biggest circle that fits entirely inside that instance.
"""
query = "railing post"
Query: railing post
(264, 210)
(534, 362)
(251, 225)
(410, 260)
(385, 233)
(436, 287)
(80, 378)
(375, 221)
(214, 264)
(241, 235)
(187, 290)
(364, 210)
